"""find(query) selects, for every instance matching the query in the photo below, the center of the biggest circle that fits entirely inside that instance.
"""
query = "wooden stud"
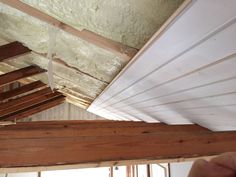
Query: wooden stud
(20, 74)
(13, 49)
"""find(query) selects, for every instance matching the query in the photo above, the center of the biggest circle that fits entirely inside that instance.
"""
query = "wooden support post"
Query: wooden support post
(20, 74)
(13, 49)
(148, 170)
(66, 143)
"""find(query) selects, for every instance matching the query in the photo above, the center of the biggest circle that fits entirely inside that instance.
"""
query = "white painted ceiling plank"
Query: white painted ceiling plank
(176, 40)
(207, 54)
(187, 75)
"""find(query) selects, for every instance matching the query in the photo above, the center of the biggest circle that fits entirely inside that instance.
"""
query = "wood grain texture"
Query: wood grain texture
(12, 50)
(28, 103)
(20, 74)
(64, 143)
(21, 90)
(23, 99)
(39, 107)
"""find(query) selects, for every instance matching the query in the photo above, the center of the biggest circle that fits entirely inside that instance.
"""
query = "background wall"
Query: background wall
(180, 169)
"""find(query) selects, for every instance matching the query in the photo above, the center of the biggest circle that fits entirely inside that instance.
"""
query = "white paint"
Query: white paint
(186, 76)
(32, 174)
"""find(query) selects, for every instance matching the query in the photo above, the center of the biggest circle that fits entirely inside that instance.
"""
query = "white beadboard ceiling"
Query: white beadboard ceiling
(186, 74)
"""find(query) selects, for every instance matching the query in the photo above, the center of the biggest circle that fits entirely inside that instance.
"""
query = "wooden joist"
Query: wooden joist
(71, 142)
(13, 49)
(34, 108)
(25, 98)
(115, 47)
(20, 74)
(28, 103)
(21, 90)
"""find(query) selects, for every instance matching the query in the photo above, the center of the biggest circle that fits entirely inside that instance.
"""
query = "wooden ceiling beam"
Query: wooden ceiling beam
(21, 90)
(28, 103)
(117, 48)
(53, 143)
(26, 112)
(13, 49)
(25, 98)
(20, 74)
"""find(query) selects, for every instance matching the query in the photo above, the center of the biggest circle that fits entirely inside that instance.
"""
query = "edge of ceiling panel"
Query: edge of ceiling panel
(169, 22)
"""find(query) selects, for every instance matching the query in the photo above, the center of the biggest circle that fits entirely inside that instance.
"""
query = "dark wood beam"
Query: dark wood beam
(20, 74)
(63, 143)
(24, 99)
(21, 90)
(26, 112)
(28, 103)
(117, 127)
(13, 49)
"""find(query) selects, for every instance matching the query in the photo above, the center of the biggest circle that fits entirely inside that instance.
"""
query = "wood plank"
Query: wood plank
(92, 128)
(23, 99)
(117, 48)
(34, 109)
(60, 144)
(91, 124)
(28, 103)
(20, 74)
(12, 50)
(23, 89)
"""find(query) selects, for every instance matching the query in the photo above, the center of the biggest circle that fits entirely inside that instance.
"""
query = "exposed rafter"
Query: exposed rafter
(21, 90)
(20, 74)
(24, 99)
(13, 49)
(76, 142)
(35, 107)
(115, 47)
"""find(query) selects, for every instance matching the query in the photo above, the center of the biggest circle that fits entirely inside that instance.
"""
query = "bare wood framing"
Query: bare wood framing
(51, 144)
(34, 109)
(20, 74)
(29, 103)
(12, 50)
(21, 90)
(115, 47)
(23, 99)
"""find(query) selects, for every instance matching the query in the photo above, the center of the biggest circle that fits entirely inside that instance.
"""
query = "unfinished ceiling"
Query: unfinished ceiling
(81, 69)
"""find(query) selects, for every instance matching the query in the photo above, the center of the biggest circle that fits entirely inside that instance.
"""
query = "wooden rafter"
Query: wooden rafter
(20, 74)
(71, 142)
(38, 99)
(13, 49)
(115, 47)
(28, 103)
(21, 90)
(25, 98)
(34, 108)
